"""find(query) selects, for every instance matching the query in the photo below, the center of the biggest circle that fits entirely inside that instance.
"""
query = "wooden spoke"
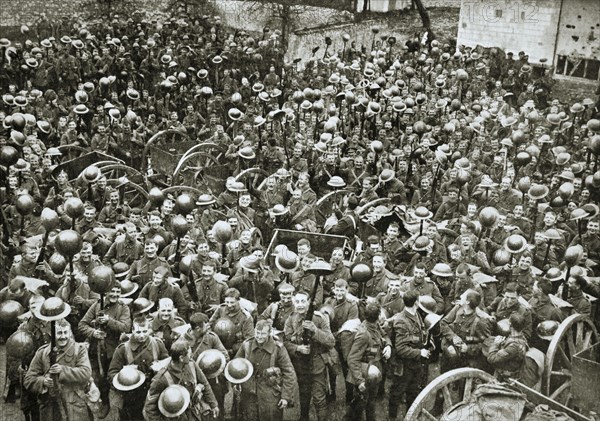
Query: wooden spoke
(441, 387)
(468, 389)
(447, 398)
(564, 390)
(428, 415)
(575, 333)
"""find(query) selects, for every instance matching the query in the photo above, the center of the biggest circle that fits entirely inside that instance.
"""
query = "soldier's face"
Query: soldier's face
(419, 273)
(140, 333)
(86, 254)
(394, 288)
(262, 335)
(207, 272)
(337, 256)
(231, 303)
(63, 335)
(340, 292)
(524, 263)
(89, 214)
(301, 303)
(378, 263)
(113, 295)
(286, 297)
(165, 312)
(157, 278)
(510, 298)
(150, 249)
(593, 228)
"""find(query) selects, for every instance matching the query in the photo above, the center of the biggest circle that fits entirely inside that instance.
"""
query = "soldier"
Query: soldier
(15, 370)
(142, 350)
(232, 310)
(61, 386)
(102, 328)
(463, 330)
(410, 346)
(381, 277)
(201, 339)
(211, 292)
(369, 347)
(161, 287)
(510, 303)
(76, 292)
(141, 271)
(576, 298)
(279, 311)
(87, 260)
(165, 321)
(88, 222)
(304, 281)
(126, 247)
(524, 276)
(391, 301)
(507, 355)
(254, 279)
(339, 271)
(542, 307)
(343, 310)
(424, 286)
(182, 370)
(271, 388)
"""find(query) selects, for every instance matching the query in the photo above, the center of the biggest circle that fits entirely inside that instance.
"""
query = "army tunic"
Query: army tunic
(580, 303)
(73, 380)
(163, 329)
(144, 268)
(471, 329)
(210, 293)
(127, 251)
(188, 376)
(119, 321)
(261, 394)
(425, 287)
(391, 304)
(242, 320)
(278, 313)
(508, 357)
(143, 355)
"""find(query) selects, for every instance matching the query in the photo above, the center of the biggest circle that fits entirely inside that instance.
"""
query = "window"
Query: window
(578, 67)
(498, 13)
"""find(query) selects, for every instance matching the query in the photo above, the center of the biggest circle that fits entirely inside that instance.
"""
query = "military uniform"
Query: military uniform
(339, 272)
(390, 304)
(366, 350)
(503, 311)
(278, 313)
(210, 293)
(127, 251)
(508, 357)
(254, 287)
(303, 281)
(67, 293)
(425, 287)
(580, 303)
(144, 268)
(311, 369)
(163, 329)
(472, 329)
(165, 290)
(378, 283)
(343, 311)
(142, 355)
(73, 382)
(188, 376)
(242, 320)
(219, 384)
(262, 393)
(408, 371)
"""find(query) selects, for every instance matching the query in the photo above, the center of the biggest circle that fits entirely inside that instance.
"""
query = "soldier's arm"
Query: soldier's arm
(288, 334)
(92, 298)
(247, 328)
(110, 255)
(207, 394)
(123, 323)
(266, 314)
(288, 374)
(180, 303)
(34, 378)
(499, 356)
(353, 311)
(403, 340)
(358, 348)
(437, 296)
(151, 411)
(323, 333)
(85, 326)
(117, 362)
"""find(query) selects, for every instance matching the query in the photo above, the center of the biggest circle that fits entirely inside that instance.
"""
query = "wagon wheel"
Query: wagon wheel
(203, 160)
(133, 193)
(453, 388)
(252, 176)
(575, 333)
(115, 170)
(70, 152)
(154, 139)
(324, 206)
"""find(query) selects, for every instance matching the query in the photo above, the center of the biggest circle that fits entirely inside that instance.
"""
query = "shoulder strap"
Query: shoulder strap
(274, 309)
(246, 349)
(274, 356)
(129, 353)
(193, 370)
(168, 377)
(154, 347)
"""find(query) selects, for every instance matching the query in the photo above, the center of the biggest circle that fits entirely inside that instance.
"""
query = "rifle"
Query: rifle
(307, 334)
(55, 392)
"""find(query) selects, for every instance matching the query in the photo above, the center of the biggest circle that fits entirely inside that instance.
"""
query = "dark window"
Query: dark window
(498, 13)
(578, 67)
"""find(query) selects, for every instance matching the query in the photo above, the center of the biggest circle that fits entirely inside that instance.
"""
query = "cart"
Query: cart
(570, 381)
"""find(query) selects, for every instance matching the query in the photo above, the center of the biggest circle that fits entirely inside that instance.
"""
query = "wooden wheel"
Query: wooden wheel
(132, 193)
(576, 333)
(70, 152)
(201, 159)
(453, 388)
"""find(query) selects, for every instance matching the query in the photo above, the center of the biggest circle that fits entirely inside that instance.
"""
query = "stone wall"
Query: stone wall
(400, 25)
(520, 25)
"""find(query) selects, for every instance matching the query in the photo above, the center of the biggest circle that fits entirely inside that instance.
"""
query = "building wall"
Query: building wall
(579, 29)
(521, 25)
